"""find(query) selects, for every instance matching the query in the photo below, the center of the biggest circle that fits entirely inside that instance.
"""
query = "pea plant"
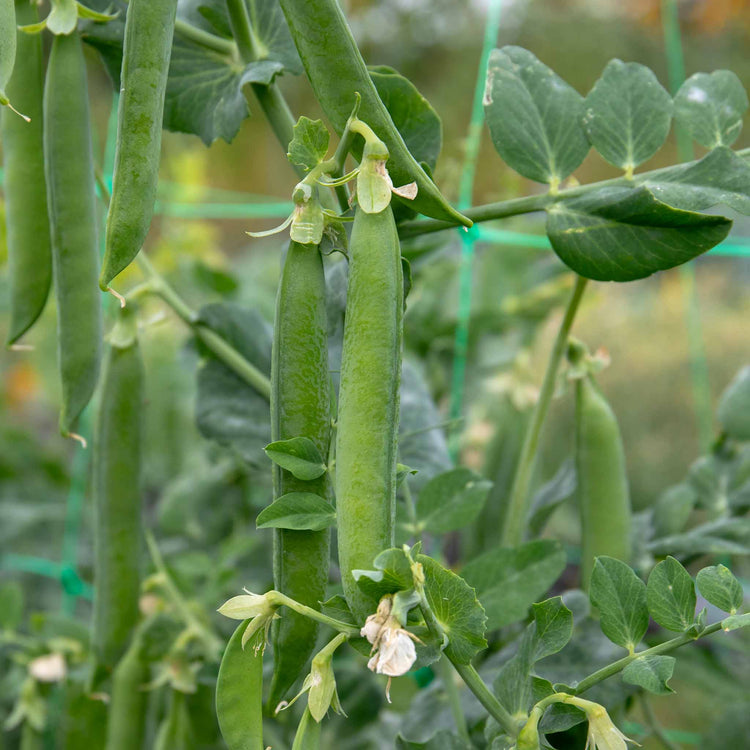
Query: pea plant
(387, 558)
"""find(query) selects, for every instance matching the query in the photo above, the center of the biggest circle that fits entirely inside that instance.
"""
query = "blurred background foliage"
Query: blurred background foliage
(517, 296)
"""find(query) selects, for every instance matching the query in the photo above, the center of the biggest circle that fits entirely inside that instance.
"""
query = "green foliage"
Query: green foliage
(719, 587)
(299, 456)
(734, 406)
(297, 510)
(651, 672)
(451, 500)
(310, 143)
(670, 594)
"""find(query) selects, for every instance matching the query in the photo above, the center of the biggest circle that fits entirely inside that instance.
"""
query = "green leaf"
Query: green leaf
(272, 38)
(628, 114)
(620, 596)
(337, 608)
(623, 234)
(735, 622)
(727, 536)
(651, 672)
(441, 740)
(411, 113)
(720, 177)
(734, 406)
(670, 594)
(451, 500)
(719, 587)
(309, 145)
(673, 508)
(227, 409)
(302, 511)
(534, 116)
(298, 455)
(392, 573)
(11, 605)
(550, 496)
(710, 106)
(553, 623)
(509, 580)
(454, 604)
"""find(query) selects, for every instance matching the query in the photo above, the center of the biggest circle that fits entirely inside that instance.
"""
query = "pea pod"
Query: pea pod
(336, 71)
(239, 689)
(7, 46)
(117, 493)
(307, 736)
(174, 732)
(29, 253)
(149, 29)
(71, 200)
(300, 407)
(603, 495)
(369, 400)
(129, 701)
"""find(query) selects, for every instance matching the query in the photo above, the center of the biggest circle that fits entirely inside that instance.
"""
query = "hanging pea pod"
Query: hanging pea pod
(7, 46)
(71, 199)
(175, 732)
(27, 221)
(149, 29)
(117, 493)
(300, 407)
(308, 733)
(369, 400)
(603, 496)
(336, 71)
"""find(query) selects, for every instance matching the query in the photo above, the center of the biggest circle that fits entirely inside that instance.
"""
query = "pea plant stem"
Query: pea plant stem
(454, 700)
(514, 522)
(663, 648)
(205, 38)
(278, 599)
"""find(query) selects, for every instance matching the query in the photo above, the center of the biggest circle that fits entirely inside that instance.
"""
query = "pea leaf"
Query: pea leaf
(534, 117)
(672, 509)
(301, 511)
(710, 106)
(551, 495)
(299, 456)
(628, 114)
(456, 608)
(553, 623)
(227, 409)
(726, 536)
(623, 234)
(411, 113)
(719, 587)
(734, 406)
(509, 580)
(620, 596)
(309, 145)
(651, 672)
(735, 622)
(670, 594)
(451, 500)
(392, 573)
(720, 177)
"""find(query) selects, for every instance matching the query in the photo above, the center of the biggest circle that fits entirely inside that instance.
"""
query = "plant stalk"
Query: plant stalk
(515, 517)
(205, 38)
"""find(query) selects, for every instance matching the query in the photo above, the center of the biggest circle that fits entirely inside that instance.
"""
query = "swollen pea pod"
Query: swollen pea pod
(603, 496)
(7, 46)
(71, 200)
(117, 493)
(129, 701)
(149, 29)
(336, 71)
(175, 732)
(239, 688)
(29, 252)
(369, 400)
(300, 407)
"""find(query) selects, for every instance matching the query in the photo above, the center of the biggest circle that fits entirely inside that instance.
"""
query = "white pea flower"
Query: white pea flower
(603, 734)
(49, 668)
(396, 653)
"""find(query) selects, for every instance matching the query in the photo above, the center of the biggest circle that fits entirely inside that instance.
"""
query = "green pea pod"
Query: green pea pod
(117, 493)
(149, 29)
(7, 46)
(369, 400)
(336, 71)
(300, 407)
(307, 736)
(129, 701)
(29, 253)
(174, 732)
(71, 200)
(603, 496)
(239, 689)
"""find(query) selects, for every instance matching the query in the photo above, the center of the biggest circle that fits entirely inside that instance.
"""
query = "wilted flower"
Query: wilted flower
(603, 734)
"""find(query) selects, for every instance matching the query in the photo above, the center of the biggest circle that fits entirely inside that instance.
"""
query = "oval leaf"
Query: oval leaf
(534, 116)
(451, 500)
(300, 511)
(710, 106)
(628, 114)
(719, 587)
(670, 594)
(624, 234)
(651, 673)
(620, 596)
(299, 455)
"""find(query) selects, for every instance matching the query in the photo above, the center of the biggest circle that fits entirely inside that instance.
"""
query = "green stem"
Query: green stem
(223, 351)
(513, 526)
(663, 648)
(278, 599)
(529, 203)
(411, 508)
(205, 38)
(454, 700)
(654, 726)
